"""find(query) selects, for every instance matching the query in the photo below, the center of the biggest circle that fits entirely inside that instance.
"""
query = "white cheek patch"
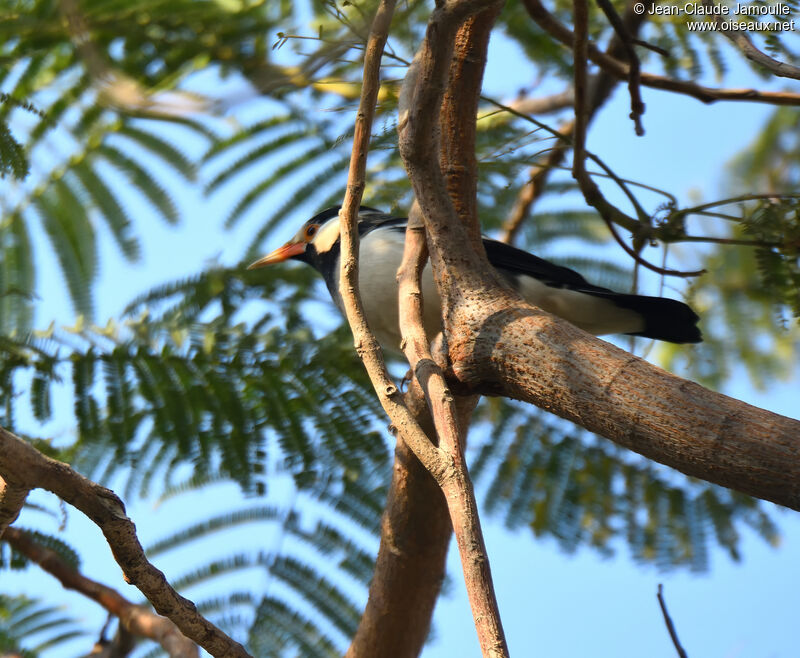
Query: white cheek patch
(327, 236)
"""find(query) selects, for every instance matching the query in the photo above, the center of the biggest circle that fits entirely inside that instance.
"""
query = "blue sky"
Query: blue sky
(552, 604)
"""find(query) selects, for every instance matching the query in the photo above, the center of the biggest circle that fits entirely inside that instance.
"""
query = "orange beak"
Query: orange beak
(279, 255)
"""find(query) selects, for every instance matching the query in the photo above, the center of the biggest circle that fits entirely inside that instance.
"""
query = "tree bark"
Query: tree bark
(415, 535)
(24, 467)
(138, 620)
(501, 346)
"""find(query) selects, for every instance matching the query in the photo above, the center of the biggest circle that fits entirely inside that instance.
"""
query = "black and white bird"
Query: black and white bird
(556, 289)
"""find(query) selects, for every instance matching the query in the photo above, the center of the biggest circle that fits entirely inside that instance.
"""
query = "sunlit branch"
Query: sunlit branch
(25, 467)
(136, 619)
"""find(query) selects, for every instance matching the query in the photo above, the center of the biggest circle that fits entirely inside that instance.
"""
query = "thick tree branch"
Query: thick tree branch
(442, 464)
(452, 248)
(520, 352)
(410, 568)
(137, 620)
(457, 116)
(453, 51)
(499, 345)
(23, 466)
(415, 533)
(12, 498)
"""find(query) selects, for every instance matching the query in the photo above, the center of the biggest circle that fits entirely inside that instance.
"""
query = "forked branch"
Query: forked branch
(24, 467)
(446, 466)
(136, 619)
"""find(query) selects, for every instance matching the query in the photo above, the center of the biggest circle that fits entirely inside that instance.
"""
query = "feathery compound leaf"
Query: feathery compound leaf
(159, 148)
(319, 592)
(141, 181)
(16, 276)
(28, 627)
(213, 525)
(278, 626)
(64, 551)
(13, 161)
(68, 227)
(105, 201)
(311, 157)
(293, 139)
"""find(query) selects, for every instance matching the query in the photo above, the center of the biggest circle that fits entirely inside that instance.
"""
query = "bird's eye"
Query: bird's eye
(311, 231)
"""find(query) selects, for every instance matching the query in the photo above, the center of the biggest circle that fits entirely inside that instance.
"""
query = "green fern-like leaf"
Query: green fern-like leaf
(28, 627)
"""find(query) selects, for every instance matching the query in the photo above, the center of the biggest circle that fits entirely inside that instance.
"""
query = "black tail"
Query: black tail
(665, 319)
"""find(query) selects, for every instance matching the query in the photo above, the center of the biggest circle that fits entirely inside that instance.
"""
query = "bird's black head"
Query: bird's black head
(316, 243)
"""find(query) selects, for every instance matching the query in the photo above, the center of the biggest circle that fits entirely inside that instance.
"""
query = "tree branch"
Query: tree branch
(668, 621)
(457, 487)
(455, 46)
(591, 192)
(24, 467)
(600, 86)
(625, 39)
(543, 104)
(522, 353)
(410, 567)
(12, 498)
(742, 41)
(136, 619)
(439, 463)
(621, 70)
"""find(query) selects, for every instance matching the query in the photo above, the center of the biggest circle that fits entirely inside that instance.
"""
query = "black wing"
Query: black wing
(517, 261)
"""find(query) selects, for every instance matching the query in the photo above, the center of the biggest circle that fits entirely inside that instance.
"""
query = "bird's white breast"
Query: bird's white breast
(380, 256)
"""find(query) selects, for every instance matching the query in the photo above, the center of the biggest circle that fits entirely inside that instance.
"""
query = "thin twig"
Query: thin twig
(602, 84)
(591, 192)
(634, 72)
(533, 188)
(670, 626)
(739, 199)
(544, 104)
(579, 51)
(637, 257)
(621, 70)
(651, 46)
(741, 40)
(736, 241)
(136, 619)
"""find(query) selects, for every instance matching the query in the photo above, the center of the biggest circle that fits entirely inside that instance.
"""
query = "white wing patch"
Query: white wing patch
(593, 314)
